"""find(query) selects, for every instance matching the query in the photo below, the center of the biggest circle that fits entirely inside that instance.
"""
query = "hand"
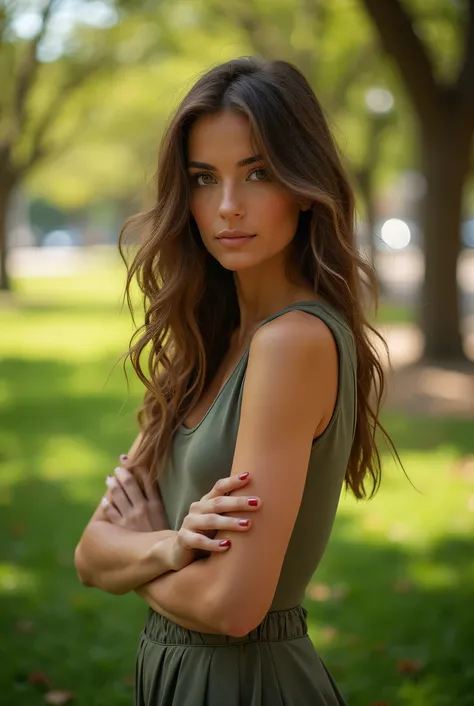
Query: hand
(205, 519)
(133, 500)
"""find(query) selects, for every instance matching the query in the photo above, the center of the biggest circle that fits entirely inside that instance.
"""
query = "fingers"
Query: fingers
(223, 504)
(129, 485)
(116, 495)
(227, 485)
(111, 512)
(194, 540)
(201, 523)
(147, 482)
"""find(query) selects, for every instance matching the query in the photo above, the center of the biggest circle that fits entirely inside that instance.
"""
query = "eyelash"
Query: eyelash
(195, 177)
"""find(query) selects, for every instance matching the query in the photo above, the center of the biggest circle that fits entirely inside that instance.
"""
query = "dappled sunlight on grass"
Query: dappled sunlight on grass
(15, 579)
(389, 608)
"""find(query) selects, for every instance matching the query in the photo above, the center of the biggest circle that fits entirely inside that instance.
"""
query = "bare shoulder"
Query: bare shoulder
(296, 334)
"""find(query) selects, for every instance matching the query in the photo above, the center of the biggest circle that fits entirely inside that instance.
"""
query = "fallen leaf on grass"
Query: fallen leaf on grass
(18, 529)
(37, 677)
(58, 697)
(319, 591)
(340, 591)
(464, 468)
(25, 626)
(353, 639)
(408, 666)
(403, 586)
(329, 632)
(379, 647)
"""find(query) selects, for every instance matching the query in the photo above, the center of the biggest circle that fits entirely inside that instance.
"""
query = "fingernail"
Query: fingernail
(225, 543)
(123, 457)
(243, 476)
(104, 502)
(253, 501)
(244, 523)
(110, 482)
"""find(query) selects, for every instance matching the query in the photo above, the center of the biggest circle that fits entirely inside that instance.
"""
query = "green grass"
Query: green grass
(389, 610)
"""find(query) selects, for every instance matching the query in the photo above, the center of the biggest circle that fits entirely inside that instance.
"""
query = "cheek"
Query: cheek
(280, 213)
(200, 212)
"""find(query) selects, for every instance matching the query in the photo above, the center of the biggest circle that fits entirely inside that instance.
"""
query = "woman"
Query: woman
(258, 405)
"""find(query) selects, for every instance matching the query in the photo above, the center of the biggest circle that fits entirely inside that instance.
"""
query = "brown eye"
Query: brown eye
(202, 175)
(259, 172)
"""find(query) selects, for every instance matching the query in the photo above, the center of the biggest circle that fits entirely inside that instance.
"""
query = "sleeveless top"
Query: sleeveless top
(203, 454)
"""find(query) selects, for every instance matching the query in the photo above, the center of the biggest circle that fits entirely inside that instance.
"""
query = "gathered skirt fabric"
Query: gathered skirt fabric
(274, 665)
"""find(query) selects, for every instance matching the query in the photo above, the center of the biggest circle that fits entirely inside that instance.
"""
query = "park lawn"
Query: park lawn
(389, 609)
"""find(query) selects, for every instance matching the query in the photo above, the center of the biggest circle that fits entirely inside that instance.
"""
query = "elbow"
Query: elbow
(84, 576)
(237, 625)
(80, 568)
(236, 621)
(87, 579)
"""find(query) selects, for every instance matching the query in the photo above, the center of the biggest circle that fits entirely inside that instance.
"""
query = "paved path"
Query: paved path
(426, 389)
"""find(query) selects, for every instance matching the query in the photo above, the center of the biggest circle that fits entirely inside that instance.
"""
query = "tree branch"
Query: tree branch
(28, 68)
(401, 42)
(38, 149)
(363, 61)
(465, 82)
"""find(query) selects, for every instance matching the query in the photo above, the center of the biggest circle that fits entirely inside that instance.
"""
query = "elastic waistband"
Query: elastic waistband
(276, 626)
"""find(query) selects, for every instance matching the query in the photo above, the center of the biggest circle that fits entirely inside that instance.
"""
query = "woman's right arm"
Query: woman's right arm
(120, 549)
(118, 559)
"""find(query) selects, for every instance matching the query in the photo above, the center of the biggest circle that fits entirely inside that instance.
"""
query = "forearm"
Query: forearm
(118, 560)
(187, 597)
(147, 592)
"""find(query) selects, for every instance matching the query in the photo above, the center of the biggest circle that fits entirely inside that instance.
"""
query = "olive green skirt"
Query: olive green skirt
(274, 665)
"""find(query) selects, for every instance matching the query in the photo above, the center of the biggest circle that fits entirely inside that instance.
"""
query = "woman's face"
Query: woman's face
(230, 190)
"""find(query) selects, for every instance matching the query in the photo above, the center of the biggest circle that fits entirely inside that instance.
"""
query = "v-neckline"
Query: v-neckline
(182, 429)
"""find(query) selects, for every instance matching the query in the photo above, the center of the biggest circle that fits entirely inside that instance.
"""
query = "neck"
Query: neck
(263, 292)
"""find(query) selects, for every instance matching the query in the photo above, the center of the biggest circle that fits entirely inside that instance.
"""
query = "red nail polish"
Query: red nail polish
(225, 543)
(253, 502)
(244, 523)
(243, 476)
(123, 457)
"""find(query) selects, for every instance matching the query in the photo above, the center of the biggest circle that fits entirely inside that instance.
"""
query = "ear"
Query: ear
(305, 205)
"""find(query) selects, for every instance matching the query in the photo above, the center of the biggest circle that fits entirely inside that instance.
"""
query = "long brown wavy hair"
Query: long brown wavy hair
(190, 301)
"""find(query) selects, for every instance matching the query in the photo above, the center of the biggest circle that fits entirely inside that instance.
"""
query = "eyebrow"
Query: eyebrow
(242, 163)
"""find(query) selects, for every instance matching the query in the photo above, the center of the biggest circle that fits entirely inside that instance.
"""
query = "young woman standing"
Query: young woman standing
(259, 403)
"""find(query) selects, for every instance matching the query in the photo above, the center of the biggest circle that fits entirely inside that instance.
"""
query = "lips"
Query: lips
(235, 241)
(230, 234)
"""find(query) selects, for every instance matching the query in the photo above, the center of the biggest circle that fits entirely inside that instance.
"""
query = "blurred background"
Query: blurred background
(86, 87)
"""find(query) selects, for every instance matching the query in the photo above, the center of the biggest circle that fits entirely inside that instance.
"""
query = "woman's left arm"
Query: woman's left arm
(289, 393)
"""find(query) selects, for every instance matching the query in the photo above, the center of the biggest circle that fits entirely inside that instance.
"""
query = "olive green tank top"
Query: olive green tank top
(203, 454)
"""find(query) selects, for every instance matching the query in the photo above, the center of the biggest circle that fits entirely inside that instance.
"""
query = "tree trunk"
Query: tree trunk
(5, 194)
(445, 153)
(366, 189)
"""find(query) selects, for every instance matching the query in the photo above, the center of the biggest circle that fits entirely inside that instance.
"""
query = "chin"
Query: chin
(235, 262)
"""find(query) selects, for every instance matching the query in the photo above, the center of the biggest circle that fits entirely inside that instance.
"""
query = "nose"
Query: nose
(231, 204)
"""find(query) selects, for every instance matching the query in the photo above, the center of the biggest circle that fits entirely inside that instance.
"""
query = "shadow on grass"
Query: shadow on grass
(417, 433)
(46, 398)
(396, 623)
(396, 626)
(388, 636)
(79, 639)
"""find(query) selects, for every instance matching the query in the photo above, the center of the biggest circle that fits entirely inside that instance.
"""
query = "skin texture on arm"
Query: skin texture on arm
(289, 394)
(117, 559)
